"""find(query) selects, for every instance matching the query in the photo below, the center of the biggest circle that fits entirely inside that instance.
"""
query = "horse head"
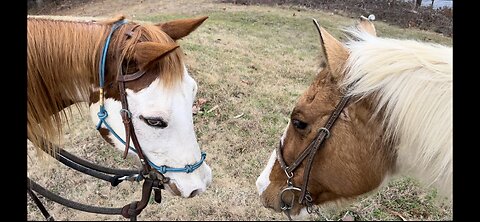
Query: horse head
(160, 93)
(352, 123)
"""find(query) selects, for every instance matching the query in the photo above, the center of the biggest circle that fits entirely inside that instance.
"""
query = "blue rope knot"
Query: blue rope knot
(189, 168)
(162, 169)
(102, 114)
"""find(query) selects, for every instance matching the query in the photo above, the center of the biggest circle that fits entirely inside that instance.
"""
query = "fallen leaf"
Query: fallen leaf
(246, 82)
(195, 109)
(197, 106)
(201, 101)
(252, 67)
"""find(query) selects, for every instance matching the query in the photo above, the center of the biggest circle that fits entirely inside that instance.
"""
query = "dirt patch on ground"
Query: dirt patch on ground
(392, 12)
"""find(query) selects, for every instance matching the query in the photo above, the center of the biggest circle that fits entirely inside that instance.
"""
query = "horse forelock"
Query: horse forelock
(411, 84)
(169, 69)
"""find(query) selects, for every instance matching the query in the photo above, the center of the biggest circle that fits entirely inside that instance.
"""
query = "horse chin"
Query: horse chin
(295, 214)
(298, 212)
(303, 215)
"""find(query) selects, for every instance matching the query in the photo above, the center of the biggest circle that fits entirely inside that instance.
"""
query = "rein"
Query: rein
(154, 179)
(119, 175)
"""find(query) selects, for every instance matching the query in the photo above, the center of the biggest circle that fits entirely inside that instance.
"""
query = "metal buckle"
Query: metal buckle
(327, 132)
(129, 114)
(289, 176)
(133, 177)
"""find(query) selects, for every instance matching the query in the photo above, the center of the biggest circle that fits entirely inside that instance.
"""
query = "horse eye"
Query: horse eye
(299, 124)
(154, 122)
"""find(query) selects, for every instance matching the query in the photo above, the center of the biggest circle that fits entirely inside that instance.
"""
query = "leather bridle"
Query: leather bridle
(309, 154)
(125, 113)
(122, 78)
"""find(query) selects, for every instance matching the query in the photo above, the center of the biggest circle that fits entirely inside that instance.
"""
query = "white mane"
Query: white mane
(412, 83)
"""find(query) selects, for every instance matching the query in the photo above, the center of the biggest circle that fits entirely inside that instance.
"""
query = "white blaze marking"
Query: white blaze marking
(175, 145)
(263, 180)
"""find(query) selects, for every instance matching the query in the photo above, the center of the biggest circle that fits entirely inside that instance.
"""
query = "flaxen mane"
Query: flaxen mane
(411, 82)
(63, 63)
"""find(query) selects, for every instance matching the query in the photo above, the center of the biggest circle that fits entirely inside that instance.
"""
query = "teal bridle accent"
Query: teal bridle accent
(103, 114)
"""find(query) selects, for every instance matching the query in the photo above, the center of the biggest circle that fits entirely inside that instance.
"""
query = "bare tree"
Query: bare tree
(418, 3)
(34, 3)
(391, 2)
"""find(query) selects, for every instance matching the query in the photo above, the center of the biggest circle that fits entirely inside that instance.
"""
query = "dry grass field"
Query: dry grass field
(251, 64)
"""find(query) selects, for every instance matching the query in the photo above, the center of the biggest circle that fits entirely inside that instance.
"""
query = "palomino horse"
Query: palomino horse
(135, 80)
(378, 107)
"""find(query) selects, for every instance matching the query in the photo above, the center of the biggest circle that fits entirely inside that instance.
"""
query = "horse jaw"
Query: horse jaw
(175, 145)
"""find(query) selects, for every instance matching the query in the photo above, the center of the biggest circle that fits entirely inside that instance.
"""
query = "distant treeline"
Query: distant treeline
(40, 4)
(406, 14)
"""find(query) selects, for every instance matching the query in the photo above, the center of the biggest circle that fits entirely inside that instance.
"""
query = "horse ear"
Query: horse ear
(332, 50)
(366, 25)
(180, 28)
(148, 52)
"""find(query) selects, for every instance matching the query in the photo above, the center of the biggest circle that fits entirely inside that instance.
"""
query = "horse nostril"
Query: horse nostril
(194, 193)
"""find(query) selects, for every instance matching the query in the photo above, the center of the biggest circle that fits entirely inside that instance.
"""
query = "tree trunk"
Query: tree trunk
(391, 2)
(418, 3)
(38, 3)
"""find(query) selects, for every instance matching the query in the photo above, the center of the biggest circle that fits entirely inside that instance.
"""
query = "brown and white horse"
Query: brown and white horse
(398, 121)
(63, 69)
